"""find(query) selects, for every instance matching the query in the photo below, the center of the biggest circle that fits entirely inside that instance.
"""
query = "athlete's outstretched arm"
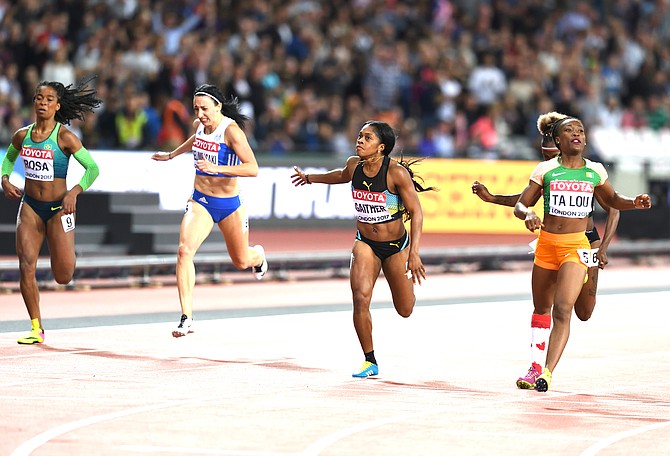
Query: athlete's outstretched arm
(186, 146)
(483, 193)
(613, 199)
(335, 176)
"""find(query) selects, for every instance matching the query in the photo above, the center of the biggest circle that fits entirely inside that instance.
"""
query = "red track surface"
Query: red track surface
(269, 385)
(334, 239)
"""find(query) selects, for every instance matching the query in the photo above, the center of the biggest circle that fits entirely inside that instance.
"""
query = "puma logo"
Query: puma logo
(396, 244)
(368, 186)
(541, 346)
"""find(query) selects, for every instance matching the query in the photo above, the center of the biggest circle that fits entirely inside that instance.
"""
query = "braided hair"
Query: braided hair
(229, 107)
(74, 101)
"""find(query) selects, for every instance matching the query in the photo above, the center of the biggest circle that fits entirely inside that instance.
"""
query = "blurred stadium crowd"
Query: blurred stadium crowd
(457, 78)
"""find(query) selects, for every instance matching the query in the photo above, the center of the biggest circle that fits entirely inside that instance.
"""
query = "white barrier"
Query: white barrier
(271, 194)
(634, 150)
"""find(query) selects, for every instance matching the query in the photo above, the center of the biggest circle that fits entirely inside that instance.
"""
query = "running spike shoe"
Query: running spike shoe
(367, 370)
(528, 380)
(184, 327)
(259, 271)
(543, 381)
(35, 336)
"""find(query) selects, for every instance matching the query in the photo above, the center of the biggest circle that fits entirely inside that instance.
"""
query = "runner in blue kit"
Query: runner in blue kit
(47, 208)
(385, 194)
(221, 154)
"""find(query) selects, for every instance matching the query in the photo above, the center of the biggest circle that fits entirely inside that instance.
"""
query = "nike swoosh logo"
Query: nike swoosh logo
(557, 174)
(56, 208)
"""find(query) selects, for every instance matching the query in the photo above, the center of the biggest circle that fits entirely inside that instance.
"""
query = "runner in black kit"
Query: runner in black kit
(385, 195)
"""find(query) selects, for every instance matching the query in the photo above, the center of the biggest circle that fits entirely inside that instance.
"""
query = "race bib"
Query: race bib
(205, 150)
(67, 221)
(370, 206)
(38, 164)
(572, 199)
(588, 257)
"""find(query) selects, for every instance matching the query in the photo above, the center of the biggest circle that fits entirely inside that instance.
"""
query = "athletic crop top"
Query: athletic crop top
(568, 192)
(373, 201)
(44, 160)
(212, 148)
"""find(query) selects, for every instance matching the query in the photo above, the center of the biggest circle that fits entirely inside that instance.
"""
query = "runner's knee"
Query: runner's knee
(583, 314)
(406, 308)
(405, 312)
(27, 267)
(185, 252)
(241, 262)
(561, 314)
(63, 277)
(361, 301)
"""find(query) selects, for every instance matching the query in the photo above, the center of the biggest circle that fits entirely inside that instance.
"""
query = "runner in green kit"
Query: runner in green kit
(568, 184)
(586, 301)
(47, 208)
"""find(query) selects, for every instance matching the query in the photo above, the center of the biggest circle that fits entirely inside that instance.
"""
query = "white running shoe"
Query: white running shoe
(259, 271)
(184, 327)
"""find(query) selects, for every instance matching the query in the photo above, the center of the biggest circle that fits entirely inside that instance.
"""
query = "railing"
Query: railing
(115, 271)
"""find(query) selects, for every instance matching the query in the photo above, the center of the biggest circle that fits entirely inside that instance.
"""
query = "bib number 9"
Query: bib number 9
(68, 222)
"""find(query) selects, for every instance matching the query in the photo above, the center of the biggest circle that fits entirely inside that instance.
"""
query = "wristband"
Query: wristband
(307, 179)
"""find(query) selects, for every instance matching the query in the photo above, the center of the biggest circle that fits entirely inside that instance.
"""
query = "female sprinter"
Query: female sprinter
(568, 184)
(221, 154)
(385, 194)
(540, 324)
(47, 208)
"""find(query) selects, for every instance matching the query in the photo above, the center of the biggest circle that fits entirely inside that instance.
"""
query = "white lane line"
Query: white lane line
(611, 440)
(30, 445)
(50, 434)
(180, 450)
(318, 446)
(133, 378)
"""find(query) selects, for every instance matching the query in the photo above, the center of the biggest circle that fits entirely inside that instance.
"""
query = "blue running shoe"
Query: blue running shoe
(367, 370)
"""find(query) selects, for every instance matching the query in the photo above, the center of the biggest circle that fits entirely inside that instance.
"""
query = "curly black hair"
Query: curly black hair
(74, 101)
